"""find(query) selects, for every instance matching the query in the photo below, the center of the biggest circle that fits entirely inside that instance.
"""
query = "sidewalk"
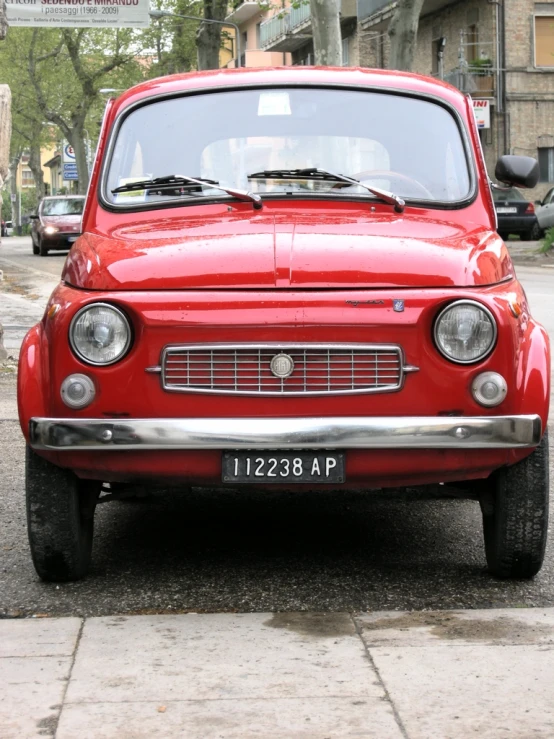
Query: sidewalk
(418, 675)
(526, 253)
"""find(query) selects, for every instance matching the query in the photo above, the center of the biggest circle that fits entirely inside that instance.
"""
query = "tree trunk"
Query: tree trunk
(208, 37)
(36, 169)
(15, 195)
(3, 21)
(5, 136)
(5, 130)
(77, 141)
(403, 34)
(326, 31)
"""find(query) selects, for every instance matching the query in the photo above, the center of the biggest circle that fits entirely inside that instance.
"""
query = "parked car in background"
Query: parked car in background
(545, 211)
(57, 225)
(516, 215)
(7, 228)
(318, 300)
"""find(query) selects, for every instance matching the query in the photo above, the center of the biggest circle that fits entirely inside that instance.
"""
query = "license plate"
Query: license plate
(506, 210)
(280, 467)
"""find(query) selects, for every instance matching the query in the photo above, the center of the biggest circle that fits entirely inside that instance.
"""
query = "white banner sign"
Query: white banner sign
(79, 13)
(482, 111)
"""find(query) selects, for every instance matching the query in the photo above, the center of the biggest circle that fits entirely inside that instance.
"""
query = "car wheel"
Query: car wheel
(533, 234)
(35, 247)
(515, 516)
(503, 235)
(42, 248)
(60, 519)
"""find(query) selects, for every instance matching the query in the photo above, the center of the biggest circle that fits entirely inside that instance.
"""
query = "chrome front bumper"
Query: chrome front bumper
(479, 432)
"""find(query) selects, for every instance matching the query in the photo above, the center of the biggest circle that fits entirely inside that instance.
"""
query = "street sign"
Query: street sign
(70, 172)
(79, 13)
(482, 111)
(68, 153)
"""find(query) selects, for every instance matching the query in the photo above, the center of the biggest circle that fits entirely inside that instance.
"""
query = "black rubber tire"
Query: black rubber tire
(35, 247)
(60, 519)
(42, 249)
(533, 234)
(503, 235)
(514, 504)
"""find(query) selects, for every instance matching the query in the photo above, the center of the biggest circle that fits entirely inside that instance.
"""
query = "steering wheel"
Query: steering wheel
(370, 174)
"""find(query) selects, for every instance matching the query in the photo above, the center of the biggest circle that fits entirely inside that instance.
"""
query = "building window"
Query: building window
(546, 164)
(472, 35)
(258, 35)
(544, 41)
(345, 52)
(27, 179)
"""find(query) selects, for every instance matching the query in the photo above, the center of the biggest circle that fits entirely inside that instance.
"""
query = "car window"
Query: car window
(501, 196)
(225, 136)
(63, 207)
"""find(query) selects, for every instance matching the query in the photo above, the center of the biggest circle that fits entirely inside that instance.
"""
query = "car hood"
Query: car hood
(242, 250)
(69, 222)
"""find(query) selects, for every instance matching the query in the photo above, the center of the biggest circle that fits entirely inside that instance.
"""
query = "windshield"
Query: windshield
(501, 196)
(63, 207)
(408, 146)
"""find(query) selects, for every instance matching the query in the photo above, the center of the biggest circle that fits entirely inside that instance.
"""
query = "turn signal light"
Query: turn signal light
(77, 391)
(489, 389)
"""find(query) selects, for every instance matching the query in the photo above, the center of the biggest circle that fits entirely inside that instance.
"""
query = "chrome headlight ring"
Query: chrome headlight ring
(489, 338)
(115, 328)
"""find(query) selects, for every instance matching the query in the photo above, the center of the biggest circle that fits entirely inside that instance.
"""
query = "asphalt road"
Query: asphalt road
(248, 551)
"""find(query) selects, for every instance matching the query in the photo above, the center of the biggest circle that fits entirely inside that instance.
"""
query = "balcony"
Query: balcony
(291, 29)
(242, 12)
(479, 82)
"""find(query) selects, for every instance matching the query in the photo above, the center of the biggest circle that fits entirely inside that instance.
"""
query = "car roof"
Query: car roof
(388, 80)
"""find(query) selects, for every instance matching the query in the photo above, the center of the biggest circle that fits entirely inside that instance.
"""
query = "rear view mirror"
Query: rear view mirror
(517, 171)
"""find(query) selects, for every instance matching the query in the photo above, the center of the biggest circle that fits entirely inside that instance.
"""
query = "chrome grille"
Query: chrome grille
(319, 369)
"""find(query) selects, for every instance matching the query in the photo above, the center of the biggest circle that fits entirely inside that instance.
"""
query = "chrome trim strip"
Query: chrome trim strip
(402, 432)
(287, 347)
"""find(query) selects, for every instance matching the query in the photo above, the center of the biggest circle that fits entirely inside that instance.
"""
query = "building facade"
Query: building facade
(502, 53)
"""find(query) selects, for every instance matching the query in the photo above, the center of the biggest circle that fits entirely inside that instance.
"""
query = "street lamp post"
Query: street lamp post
(166, 14)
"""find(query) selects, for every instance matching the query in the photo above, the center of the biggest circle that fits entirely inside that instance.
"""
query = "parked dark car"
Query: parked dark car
(516, 215)
(57, 225)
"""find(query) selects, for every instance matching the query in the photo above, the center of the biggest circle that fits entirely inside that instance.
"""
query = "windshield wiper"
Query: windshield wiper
(314, 173)
(172, 181)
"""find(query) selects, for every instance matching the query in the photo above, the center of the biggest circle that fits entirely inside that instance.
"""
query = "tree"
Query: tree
(403, 34)
(326, 32)
(208, 36)
(57, 74)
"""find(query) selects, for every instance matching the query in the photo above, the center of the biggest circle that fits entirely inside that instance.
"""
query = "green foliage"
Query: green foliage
(547, 242)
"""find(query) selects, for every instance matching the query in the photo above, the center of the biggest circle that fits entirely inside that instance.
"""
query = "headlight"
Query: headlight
(100, 334)
(51, 230)
(465, 331)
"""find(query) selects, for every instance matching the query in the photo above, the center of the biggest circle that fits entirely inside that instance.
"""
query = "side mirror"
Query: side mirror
(34, 217)
(538, 202)
(517, 171)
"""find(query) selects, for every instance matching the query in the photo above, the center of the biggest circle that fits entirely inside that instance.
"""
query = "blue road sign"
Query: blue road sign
(70, 171)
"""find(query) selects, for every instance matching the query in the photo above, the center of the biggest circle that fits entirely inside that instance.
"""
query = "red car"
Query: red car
(288, 277)
(57, 224)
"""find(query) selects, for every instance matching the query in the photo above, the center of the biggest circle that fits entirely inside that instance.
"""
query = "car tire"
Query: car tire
(503, 235)
(514, 505)
(533, 234)
(42, 248)
(60, 519)
(35, 247)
